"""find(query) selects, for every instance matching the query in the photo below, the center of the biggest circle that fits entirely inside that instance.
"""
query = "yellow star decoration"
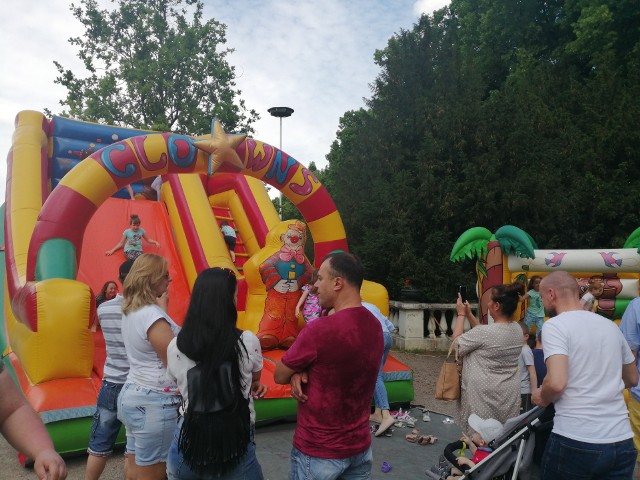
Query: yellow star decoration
(221, 148)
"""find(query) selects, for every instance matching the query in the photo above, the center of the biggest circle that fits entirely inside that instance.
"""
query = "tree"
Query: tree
(149, 66)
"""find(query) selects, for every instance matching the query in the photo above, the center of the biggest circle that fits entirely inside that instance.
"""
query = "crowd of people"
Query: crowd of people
(176, 389)
(579, 374)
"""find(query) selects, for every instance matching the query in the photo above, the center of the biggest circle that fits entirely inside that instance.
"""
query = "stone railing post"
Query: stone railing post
(423, 326)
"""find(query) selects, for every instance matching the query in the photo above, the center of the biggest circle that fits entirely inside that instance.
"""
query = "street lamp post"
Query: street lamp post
(280, 112)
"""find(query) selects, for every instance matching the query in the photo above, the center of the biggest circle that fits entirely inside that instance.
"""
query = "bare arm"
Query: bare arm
(117, 247)
(150, 240)
(461, 312)
(473, 320)
(533, 377)
(131, 194)
(630, 374)
(303, 298)
(555, 382)
(257, 389)
(465, 461)
(470, 445)
(284, 375)
(160, 334)
(24, 430)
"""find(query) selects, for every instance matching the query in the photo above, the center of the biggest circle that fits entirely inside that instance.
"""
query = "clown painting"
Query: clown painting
(283, 274)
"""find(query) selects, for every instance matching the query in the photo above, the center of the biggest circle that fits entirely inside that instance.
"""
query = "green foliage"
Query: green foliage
(492, 113)
(151, 66)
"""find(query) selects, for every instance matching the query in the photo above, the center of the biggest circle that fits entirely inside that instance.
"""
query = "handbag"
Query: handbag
(448, 383)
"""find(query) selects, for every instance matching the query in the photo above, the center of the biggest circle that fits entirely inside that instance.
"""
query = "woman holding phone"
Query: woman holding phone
(490, 375)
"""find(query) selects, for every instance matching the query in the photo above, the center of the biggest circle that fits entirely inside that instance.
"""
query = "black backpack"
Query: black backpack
(215, 431)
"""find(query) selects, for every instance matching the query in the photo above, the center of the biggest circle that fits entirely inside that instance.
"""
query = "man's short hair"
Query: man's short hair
(347, 266)
(124, 269)
(565, 284)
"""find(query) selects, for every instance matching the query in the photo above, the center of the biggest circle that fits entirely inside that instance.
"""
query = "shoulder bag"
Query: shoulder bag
(448, 383)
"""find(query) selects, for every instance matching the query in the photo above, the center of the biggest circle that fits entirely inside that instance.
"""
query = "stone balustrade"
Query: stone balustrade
(424, 326)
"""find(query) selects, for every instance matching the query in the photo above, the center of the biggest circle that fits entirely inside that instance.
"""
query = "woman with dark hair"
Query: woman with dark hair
(212, 360)
(489, 353)
(108, 292)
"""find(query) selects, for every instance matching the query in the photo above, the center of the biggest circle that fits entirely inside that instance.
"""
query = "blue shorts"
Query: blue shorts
(106, 425)
(150, 418)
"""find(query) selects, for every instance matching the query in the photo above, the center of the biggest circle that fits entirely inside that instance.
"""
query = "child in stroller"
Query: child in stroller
(505, 450)
(484, 430)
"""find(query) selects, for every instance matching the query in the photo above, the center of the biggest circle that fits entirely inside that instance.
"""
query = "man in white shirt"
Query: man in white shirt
(588, 365)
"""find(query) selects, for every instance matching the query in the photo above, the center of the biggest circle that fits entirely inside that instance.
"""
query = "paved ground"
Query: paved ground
(408, 460)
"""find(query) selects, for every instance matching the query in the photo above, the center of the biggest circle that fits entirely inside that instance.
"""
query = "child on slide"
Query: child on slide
(132, 239)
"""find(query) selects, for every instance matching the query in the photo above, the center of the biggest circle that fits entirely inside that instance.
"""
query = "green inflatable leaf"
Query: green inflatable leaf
(514, 240)
(634, 240)
(472, 243)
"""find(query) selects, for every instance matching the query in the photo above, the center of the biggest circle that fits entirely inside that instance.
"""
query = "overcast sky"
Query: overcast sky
(313, 56)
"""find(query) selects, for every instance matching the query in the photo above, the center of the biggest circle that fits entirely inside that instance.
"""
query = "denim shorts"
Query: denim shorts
(305, 467)
(106, 425)
(150, 418)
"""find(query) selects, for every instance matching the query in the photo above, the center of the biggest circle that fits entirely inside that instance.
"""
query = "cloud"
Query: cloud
(429, 6)
(315, 57)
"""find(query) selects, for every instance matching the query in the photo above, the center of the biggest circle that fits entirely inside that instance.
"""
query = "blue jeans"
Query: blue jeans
(150, 418)
(566, 459)
(105, 427)
(304, 467)
(248, 469)
(380, 398)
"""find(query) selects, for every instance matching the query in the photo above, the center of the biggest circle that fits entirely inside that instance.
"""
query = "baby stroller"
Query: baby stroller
(512, 451)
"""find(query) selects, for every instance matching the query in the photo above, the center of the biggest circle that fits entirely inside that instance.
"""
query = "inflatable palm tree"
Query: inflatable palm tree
(634, 240)
(491, 250)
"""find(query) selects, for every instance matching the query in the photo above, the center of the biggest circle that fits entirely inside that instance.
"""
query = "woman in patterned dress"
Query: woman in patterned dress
(489, 353)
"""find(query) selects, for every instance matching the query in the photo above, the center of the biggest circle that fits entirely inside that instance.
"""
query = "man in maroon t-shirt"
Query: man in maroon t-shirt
(332, 368)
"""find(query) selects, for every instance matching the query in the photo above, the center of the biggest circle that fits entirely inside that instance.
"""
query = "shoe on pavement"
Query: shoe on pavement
(385, 425)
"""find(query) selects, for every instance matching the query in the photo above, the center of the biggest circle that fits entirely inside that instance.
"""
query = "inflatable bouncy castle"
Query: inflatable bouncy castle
(67, 203)
(510, 254)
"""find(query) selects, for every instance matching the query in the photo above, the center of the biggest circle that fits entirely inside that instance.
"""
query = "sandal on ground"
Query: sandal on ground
(412, 437)
(427, 440)
(408, 419)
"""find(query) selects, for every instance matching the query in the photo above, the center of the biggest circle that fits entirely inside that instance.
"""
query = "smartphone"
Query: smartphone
(462, 290)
